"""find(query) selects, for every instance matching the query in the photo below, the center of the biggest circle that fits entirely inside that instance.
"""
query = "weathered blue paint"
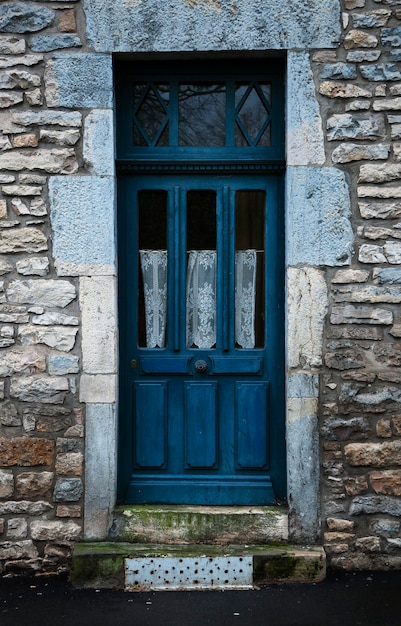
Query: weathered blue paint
(189, 436)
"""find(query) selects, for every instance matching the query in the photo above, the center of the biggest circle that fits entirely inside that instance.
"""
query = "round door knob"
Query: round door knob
(200, 366)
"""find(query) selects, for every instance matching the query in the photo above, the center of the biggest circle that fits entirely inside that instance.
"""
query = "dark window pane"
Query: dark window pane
(201, 114)
(252, 104)
(250, 268)
(151, 104)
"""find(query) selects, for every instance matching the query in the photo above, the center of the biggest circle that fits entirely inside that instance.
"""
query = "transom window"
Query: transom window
(193, 116)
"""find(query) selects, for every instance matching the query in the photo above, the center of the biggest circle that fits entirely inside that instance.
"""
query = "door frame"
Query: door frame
(305, 283)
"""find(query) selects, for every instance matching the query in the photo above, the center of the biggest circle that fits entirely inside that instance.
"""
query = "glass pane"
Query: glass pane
(150, 114)
(249, 269)
(202, 114)
(201, 269)
(152, 292)
(252, 104)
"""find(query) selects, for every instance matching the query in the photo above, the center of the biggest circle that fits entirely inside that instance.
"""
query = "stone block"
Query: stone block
(70, 464)
(33, 266)
(302, 385)
(17, 528)
(61, 137)
(10, 44)
(68, 510)
(27, 240)
(42, 530)
(52, 318)
(6, 483)
(307, 307)
(347, 126)
(52, 161)
(67, 22)
(319, 206)
(59, 337)
(44, 118)
(99, 332)
(10, 98)
(387, 482)
(82, 215)
(349, 152)
(9, 415)
(373, 454)
(285, 25)
(334, 89)
(359, 39)
(79, 81)
(53, 293)
(369, 505)
(98, 388)
(22, 362)
(380, 72)
(25, 451)
(34, 484)
(350, 314)
(98, 146)
(62, 364)
(305, 142)
(45, 389)
(68, 490)
(47, 43)
(372, 19)
(303, 467)
(100, 469)
(24, 549)
(340, 525)
(24, 17)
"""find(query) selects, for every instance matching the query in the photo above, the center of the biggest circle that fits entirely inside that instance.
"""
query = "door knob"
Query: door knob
(200, 366)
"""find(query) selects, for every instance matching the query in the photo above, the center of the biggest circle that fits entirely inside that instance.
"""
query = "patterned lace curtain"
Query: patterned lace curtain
(245, 294)
(154, 272)
(201, 299)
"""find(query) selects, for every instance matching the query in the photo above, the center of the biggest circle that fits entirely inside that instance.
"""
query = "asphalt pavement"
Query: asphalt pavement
(343, 599)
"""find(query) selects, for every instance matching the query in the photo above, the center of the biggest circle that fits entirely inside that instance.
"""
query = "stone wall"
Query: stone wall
(41, 418)
(359, 88)
(58, 267)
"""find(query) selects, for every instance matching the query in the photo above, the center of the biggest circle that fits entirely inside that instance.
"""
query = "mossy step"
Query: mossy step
(192, 524)
(105, 564)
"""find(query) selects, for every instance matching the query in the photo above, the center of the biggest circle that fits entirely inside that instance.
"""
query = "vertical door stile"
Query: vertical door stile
(223, 266)
(176, 254)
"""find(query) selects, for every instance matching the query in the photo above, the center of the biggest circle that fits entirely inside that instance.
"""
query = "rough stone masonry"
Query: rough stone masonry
(56, 340)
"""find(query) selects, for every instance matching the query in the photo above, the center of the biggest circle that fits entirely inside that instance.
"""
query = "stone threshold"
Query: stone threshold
(139, 567)
(182, 524)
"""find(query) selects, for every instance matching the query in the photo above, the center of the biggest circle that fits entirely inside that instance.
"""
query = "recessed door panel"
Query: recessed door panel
(150, 434)
(200, 425)
(252, 425)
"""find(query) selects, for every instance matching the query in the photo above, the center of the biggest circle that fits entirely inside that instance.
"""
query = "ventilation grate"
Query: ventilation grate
(188, 573)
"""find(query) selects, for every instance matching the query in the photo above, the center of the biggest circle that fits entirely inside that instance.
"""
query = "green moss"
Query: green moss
(92, 570)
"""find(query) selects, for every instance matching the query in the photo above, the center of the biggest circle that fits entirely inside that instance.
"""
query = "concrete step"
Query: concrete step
(193, 524)
(139, 567)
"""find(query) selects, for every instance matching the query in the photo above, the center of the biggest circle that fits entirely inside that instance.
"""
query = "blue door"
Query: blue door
(201, 292)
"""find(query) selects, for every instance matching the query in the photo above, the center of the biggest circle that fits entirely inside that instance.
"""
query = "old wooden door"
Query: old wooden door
(201, 300)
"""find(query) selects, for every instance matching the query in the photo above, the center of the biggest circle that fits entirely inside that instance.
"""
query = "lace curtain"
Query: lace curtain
(154, 272)
(245, 294)
(200, 298)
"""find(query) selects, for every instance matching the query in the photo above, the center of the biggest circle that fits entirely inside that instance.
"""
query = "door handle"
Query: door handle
(201, 366)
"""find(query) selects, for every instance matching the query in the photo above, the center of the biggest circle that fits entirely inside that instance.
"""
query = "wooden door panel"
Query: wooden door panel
(150, 419)
(252, 425)
(200, 420)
